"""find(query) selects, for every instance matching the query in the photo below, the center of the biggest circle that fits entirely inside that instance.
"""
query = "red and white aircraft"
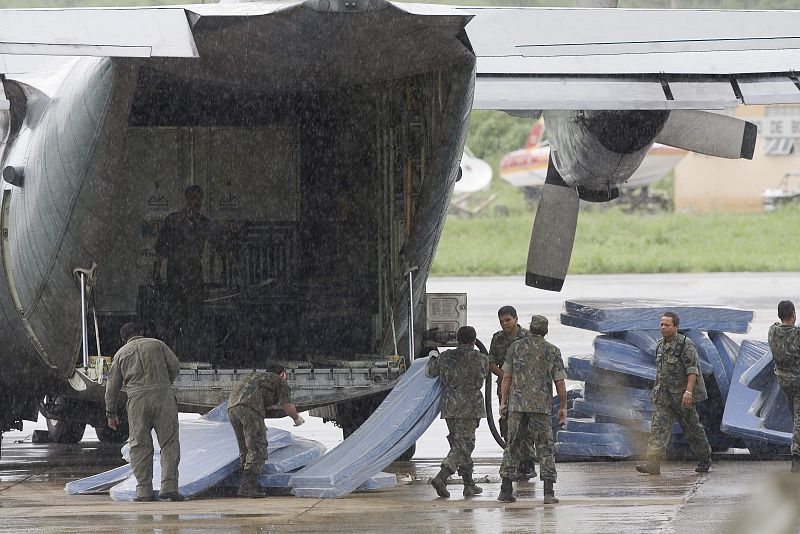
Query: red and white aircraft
(527, 166)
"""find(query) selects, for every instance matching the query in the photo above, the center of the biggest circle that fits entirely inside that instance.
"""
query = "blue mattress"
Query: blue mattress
(585, 450)
(762, 373)
(398, 422)
(620, 315)
(612, 410)
(737, 419)
(209, 455)
(620, 356)
(774, 412)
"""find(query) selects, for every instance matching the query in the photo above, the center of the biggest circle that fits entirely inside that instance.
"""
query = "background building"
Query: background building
(704, 183)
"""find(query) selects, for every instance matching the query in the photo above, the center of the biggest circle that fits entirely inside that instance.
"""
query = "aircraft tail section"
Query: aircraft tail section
(535, 135)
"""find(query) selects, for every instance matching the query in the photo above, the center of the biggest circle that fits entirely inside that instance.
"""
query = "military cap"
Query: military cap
(538, 324)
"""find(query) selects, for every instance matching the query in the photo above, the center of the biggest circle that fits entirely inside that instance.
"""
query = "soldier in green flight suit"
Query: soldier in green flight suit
(784, 342)
(248, 404)
(679, 385)
(531, 367)
(509, 332)
(462, 372)
(145, 368)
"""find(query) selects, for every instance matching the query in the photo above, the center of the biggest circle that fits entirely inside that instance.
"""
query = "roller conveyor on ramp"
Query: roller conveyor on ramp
(395, 426)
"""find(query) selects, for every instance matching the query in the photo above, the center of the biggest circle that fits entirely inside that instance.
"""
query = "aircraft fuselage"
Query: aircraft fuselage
(327, 146)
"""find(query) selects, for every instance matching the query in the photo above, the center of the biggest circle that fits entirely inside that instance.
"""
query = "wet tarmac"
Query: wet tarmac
(737, 496)
(595, 497)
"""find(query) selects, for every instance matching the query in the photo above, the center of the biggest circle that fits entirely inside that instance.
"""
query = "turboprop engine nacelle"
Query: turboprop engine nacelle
(592, 152)
(595, 151)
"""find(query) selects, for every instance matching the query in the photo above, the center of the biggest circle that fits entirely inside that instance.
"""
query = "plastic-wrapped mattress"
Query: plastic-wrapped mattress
(738, 418)
(398, 422)
(620, 315)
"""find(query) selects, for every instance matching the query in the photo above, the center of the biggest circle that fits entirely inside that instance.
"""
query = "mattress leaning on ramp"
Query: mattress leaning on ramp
(398, 422)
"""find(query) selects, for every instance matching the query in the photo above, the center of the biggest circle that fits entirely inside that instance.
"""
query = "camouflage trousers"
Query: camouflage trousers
(667, 408)
(526, 431)
(462, 443)
(502, 427)
(154, 409)
(791, 388)
(251, 436)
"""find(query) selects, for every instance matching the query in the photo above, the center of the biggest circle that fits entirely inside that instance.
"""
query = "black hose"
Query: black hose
(488, 401)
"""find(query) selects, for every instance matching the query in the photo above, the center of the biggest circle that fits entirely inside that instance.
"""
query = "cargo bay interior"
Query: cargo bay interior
(315, 193)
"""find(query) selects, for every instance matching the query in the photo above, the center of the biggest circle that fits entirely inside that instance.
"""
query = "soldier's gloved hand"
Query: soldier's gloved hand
(503, 410)
(299, 421)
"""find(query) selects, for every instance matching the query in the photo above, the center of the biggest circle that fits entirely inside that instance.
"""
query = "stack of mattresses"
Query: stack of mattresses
(395, 426)
(756, 409)
(210, 459)
(613, 418)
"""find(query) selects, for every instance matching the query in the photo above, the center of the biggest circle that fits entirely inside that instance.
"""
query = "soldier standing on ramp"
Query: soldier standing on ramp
(532, 365)
(248, 404)
(679, 385)
(146, 367)
(784, 342)
(462, 372)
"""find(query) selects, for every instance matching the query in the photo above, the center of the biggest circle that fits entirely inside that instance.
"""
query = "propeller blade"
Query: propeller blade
(553, 233)
(709, 133)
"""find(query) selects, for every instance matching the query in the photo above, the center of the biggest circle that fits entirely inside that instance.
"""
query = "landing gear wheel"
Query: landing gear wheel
(107, 435)
(408, 454)
(65, 431)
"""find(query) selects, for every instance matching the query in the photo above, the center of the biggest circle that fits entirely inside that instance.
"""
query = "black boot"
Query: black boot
(650, 468)
(703, 466)
(506, 491)
(439, 482)
(549, 493)
(470, 488)
(526, 470)
(248, 487)
(796, 463)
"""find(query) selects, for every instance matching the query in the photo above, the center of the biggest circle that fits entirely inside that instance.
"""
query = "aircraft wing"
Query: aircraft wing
(527, 58)
(551, 58)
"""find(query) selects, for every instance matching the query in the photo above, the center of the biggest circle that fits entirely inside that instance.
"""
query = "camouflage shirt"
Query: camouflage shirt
(498, 349)
(462, 371)
(784, 342)
(534, 364)
(260, 391)
(672, 369)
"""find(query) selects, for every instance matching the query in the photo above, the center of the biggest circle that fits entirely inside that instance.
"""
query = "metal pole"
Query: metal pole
(84, 331)
(411, 316)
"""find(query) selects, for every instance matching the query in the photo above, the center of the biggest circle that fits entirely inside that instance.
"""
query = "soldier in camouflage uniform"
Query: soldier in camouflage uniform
(679, 385)
(531, 367)
(248, 405)
(462, 372)
(784, 342)
(501, 340)
(146, 368)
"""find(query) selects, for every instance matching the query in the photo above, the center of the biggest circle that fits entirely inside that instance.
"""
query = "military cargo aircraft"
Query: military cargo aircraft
(326, 137)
